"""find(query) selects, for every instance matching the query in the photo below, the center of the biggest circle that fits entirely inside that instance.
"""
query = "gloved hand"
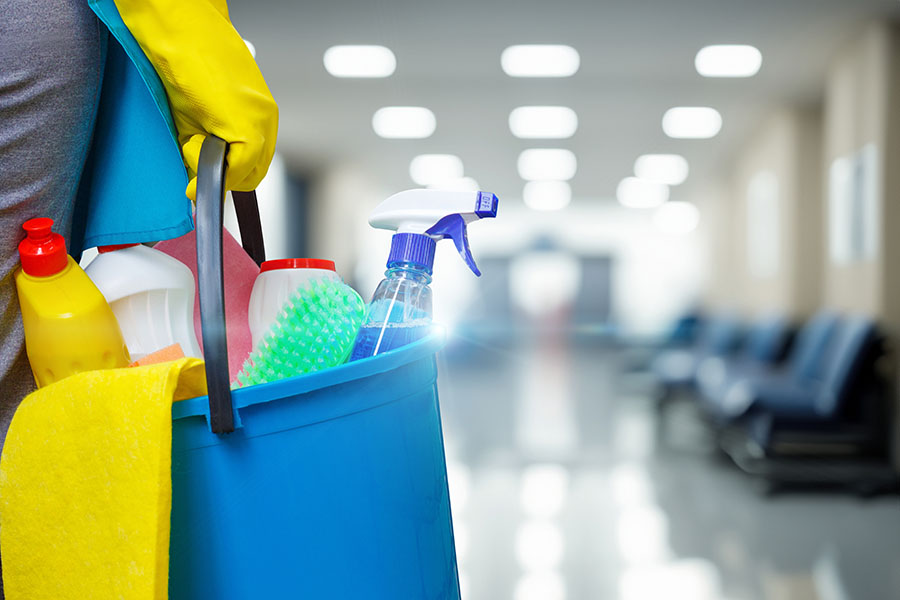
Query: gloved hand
(213, 84)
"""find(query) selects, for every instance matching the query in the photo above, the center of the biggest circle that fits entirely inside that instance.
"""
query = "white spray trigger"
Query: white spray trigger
(439, 214)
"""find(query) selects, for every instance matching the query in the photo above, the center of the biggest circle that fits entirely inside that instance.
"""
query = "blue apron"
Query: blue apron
(132, 188)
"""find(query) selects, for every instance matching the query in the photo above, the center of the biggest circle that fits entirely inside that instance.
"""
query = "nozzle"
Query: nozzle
(42, 252)
(39, 228)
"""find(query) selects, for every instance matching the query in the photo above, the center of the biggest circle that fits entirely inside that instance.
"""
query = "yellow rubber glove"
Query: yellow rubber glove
(213, 84)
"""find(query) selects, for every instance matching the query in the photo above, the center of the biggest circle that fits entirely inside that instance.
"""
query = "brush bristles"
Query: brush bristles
(315, 330)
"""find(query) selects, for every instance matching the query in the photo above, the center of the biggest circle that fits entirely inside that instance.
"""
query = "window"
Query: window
(854, 207)
(763, 225)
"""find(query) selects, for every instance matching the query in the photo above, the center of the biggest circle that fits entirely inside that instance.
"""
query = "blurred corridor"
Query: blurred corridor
(677, 376)
(563, 485)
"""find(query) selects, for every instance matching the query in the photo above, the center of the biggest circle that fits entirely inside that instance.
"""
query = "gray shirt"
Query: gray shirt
(51, 67)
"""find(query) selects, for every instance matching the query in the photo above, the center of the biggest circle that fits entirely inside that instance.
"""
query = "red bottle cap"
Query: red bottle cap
(42, 252)
(297, 263)
(114, 247)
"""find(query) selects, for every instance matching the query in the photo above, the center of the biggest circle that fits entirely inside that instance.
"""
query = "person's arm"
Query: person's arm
(213, 83)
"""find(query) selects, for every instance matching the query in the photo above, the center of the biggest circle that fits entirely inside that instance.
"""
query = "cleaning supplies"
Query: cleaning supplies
(152, 296)
(86, 485)
(239, 272)
(400, 311)
(69, 327)
(276, 282)
(315, 330)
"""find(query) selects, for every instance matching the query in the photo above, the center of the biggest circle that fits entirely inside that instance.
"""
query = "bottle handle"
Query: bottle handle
(211, 281)
(247, 209)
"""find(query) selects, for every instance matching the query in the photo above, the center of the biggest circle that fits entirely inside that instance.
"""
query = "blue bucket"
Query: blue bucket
(327, 485)
(334, 485)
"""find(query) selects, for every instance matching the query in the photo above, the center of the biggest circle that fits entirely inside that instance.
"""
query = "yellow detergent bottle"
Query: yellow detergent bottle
(69, 327)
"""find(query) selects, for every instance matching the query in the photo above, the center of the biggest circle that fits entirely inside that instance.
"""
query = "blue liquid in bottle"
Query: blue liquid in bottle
(374, 339)
(400, 312)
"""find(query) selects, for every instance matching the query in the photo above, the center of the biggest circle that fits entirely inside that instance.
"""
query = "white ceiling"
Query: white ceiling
(636, 61)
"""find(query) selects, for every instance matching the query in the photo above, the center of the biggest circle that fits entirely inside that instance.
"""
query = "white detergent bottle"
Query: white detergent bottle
(277, 280)
(152, 296)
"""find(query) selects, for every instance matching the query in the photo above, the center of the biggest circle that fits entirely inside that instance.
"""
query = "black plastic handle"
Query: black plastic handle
(247, 210)
(211, 281)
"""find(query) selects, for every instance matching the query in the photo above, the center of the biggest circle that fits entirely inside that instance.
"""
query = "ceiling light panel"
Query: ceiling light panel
(547, 195)
(360, 61)
(543, 122)
(409, 122)
(542, 164)
(545, 60)
(728, 60)
(435, 169)
(677, 218)
(692, 122)
(670, 169)
(639, 193)
(460, 184)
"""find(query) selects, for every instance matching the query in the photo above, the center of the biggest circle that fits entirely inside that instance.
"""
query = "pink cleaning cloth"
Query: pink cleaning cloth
(240, 274)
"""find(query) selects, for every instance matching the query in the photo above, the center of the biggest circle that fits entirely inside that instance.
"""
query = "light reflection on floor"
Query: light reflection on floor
(565, 487)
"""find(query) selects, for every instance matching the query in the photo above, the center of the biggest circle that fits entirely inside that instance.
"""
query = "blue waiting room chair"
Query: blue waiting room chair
(843, 406)
(720, 335)
(766, 342)
(805, 368)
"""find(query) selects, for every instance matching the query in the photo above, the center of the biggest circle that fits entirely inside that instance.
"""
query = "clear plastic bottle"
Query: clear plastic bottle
(400, 311)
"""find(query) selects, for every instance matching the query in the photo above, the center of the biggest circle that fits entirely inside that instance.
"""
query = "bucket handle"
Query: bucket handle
(210, 275)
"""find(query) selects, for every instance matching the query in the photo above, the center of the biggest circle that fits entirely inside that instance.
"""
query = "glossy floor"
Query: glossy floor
(567, 485)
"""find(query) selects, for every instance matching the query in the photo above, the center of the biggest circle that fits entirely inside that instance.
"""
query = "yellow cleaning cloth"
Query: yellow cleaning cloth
(85, 485)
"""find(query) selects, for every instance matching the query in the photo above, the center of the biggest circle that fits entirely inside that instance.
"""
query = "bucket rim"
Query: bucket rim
(301, 384)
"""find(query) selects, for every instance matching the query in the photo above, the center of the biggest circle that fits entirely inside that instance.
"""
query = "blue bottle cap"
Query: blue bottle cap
(414, 248)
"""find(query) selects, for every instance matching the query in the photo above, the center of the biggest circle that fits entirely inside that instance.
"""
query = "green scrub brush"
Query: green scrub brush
(315, 330)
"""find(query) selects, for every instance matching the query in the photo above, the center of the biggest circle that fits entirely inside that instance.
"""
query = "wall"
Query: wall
(655, 276)
(862, 113)
(891, 192)
(856, 116)
(716, 234)
(341, 199)
(772, 261)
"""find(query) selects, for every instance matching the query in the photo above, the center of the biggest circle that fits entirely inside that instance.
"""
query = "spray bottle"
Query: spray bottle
(400, 311)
